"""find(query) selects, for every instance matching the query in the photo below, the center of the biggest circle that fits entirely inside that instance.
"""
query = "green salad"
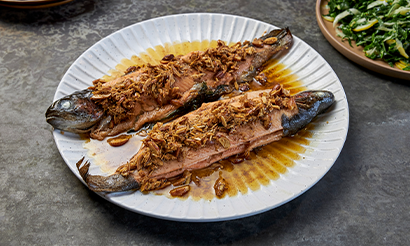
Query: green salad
(382, 27)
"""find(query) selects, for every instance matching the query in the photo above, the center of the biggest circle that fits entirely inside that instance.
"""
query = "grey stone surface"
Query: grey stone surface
(363, 200)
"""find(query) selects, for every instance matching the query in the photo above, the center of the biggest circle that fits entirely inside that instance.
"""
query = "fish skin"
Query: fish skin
(309, 105)
(112, 183)
(78, 122)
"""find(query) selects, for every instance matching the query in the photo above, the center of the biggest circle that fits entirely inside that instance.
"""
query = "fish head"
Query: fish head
(75, 113)
(310, 104)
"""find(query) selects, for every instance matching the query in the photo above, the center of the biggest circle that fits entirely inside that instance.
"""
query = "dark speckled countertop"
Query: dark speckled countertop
(363, 200)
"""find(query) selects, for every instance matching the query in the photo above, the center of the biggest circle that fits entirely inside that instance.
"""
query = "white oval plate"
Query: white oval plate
(329, 132)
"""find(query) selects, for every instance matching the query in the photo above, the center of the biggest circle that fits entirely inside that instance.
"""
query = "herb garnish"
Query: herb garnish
(382, 27)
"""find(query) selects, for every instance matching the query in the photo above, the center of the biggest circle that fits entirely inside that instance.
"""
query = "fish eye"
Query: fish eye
(65, 104)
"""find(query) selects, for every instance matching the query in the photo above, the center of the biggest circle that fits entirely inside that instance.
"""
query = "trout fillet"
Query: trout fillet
(153, 92)
(213, 132)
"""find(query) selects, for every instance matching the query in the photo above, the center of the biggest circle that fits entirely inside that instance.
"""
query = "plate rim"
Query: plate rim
(216, 218)
(32, 5)
(28, 1)
(378, 66)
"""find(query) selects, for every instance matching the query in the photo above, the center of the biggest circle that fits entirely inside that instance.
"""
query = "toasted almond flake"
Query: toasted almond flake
(119, 141)
(271, 40)
(180, 191)
(224, 142)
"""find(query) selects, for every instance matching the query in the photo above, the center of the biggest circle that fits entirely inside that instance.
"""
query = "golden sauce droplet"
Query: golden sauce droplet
(265, 164)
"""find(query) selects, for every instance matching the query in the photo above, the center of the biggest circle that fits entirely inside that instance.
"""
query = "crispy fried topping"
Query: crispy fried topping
(261, 78)
(183, 180)
(257, 42)
(156, 82)
(153, 184)
(171, 141)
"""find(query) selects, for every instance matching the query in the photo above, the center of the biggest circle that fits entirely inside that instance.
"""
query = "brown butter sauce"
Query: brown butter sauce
(266, 163)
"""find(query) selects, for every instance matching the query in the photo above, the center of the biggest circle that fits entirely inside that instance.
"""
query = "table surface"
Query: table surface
(363, 199)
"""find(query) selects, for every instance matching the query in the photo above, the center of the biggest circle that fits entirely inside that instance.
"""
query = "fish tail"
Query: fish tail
(277, 33)
(112, 183)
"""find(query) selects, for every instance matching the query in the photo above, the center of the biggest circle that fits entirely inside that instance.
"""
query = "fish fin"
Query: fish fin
(78, 164)
(83, 170)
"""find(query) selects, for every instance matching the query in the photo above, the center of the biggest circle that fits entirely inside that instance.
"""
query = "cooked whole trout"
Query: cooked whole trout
(211, 133)
(153, 92)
